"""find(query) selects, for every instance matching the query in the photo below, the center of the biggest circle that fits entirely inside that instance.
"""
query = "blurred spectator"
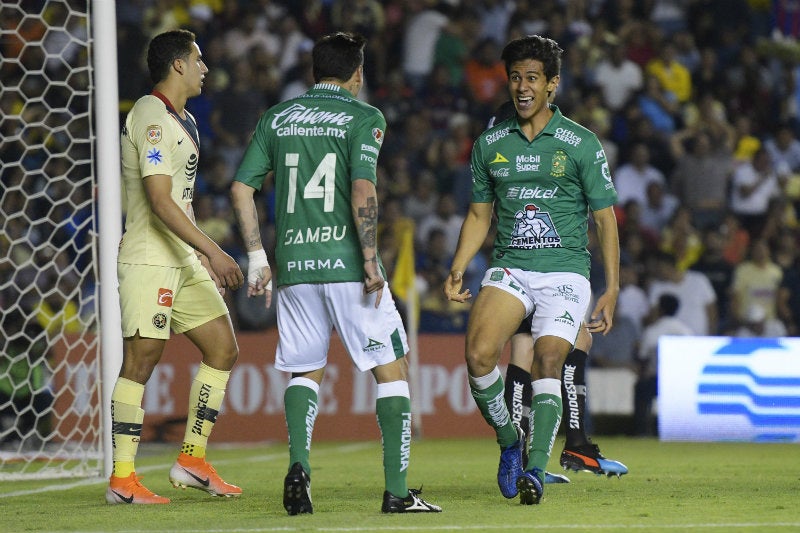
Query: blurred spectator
(423, 25)
(736, 239)
(757, 324)
(632, 178)
(485, 77)
(785, 247)
(666, 322)
(705, 111)
(446, 219)
(454, 45)
(670, 73)
(298, 79)
(440, 100)
(247, 35)
(696, 296)
(754, 185)
(395, 100)
(295, 47)
(313, 16)
(423, 197)
(433, 260)
(755, 282)
(449, 157)
(745, 142)
(658, 208)
(639, 36)
(632, 301)
(708, 77)
(719, 272)
(494, 16)
(788, 301)
(658, 105)
(236, 113)
(669, 15)
(784, 147)
(629, 217)
(641, 129)
(701, 177)
(618, 77)
(681, 239)
(687, 53)
(748, 84)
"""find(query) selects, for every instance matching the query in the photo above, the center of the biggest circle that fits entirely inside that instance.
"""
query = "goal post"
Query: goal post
(110, 205)
(58, 133)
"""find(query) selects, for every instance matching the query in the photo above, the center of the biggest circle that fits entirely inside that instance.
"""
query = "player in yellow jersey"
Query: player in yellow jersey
(171, 275)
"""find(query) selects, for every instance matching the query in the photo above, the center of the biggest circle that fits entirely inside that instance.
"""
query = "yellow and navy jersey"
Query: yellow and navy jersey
(542, 192)
(156, 140)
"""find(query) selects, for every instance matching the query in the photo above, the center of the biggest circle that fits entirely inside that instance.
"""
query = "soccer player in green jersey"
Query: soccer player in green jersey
(321, 150)
(541, 174)
(171, 274)
(579, 452)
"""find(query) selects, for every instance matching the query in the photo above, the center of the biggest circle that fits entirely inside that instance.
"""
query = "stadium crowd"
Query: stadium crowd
(696, 103)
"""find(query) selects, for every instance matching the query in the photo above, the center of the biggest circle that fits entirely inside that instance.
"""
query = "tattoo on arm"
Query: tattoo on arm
(367, 223)
(251, 234)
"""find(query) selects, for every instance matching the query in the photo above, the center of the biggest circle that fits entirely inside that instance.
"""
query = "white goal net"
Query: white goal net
(50, 400)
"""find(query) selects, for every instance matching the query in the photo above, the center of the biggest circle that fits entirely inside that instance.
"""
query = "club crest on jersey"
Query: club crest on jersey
(559, 166)
(154, 134)
(534, 229)
(377, 134)
(160, 320)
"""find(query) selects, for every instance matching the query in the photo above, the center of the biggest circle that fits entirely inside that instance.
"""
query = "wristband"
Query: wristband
(256, 262)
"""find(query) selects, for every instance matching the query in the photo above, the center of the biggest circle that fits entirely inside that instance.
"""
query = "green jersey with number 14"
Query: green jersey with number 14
(542, 192)
(316, 144)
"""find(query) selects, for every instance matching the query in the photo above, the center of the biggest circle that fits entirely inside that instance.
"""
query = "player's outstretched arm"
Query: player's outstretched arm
(473, 233)
(602, 317)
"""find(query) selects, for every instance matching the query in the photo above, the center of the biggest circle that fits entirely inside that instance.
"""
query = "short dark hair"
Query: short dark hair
(535, 47)
(164, 49)
(337, 56)
(668, 304)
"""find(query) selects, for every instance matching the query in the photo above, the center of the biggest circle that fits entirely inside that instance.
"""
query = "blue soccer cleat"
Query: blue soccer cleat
(510, 465)
(530, 487)
(551, 478)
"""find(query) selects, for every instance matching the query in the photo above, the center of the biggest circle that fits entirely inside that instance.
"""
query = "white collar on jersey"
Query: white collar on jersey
(327, 86)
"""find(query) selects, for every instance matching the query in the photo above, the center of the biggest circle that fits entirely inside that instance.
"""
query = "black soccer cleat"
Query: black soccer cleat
(297, 491)
(587, 457)
(410, 504)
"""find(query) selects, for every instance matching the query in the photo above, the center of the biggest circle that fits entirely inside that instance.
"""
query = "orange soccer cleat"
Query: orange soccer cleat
(130, 490)
(196, 473)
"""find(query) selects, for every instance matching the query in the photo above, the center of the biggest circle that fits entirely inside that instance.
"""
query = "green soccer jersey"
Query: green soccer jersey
(542, 192)
(316, 144)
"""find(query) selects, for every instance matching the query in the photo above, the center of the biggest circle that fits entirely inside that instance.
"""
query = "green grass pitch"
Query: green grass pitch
(671, 486)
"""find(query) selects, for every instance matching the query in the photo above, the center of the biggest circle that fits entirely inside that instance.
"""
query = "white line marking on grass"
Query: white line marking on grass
(492, 527)
(346, 448)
